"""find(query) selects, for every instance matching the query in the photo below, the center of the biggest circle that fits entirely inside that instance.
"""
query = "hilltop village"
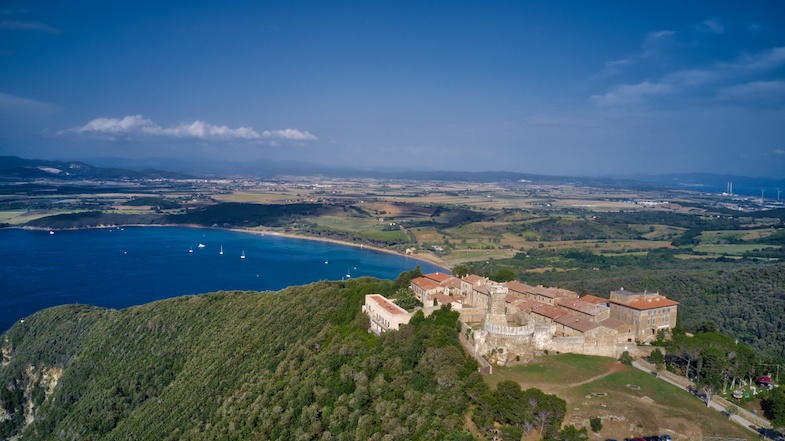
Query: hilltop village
(511, 323)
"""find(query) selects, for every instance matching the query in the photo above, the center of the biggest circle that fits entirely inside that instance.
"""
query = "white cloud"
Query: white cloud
(756, 90)
(14, 25)
(724, 80)
(138, 126)
(203, 130)
(779, 152)
(12, 103)
(631, 93)
(652, 47)
(711, 26)
(113, 125)
(292, 134)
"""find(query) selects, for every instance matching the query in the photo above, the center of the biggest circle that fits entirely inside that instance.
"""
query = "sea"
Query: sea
(126, 266)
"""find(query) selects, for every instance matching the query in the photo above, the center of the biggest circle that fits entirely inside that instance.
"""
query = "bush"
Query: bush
(626, 358)
(596, 424)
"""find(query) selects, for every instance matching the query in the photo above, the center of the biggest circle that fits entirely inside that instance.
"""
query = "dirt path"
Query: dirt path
(615, 367)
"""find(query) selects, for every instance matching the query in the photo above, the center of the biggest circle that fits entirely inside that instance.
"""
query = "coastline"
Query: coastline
(427, 258)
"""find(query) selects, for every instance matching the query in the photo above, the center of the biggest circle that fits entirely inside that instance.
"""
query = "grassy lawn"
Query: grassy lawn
(571, 368)
(656, 407)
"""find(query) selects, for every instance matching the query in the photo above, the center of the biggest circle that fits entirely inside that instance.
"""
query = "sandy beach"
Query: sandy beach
(425, 257)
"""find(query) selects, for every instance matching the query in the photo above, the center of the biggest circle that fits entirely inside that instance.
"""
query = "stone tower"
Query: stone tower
(497, 304)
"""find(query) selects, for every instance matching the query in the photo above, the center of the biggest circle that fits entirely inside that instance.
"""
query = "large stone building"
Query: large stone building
(513, 322)
(646, 313)
(384, 314)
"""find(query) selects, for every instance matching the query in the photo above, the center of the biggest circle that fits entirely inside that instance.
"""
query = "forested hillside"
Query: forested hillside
(295, 364)
(745, 302)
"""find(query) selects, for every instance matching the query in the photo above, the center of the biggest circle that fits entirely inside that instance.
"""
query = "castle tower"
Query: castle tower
(497, 304)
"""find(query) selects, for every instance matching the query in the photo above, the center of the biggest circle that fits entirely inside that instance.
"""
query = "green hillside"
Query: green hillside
(294, 364)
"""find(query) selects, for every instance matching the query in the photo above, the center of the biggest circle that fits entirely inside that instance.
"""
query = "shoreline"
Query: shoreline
(429, 258)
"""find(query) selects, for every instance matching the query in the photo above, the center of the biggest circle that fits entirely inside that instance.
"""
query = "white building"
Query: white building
(385, 315)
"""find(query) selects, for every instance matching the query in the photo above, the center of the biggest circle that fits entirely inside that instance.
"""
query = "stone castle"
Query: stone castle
(511, 323)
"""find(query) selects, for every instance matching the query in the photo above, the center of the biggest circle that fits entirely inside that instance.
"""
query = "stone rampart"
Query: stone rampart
(509, 330)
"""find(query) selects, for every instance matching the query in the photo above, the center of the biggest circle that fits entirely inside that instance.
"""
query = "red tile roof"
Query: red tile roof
(425, 284)
(452, 282)
(576, 322)
(552, 312)
(650, 303)
(474, 279)
(581, 306)
(594, 299)
(391, 307)
(438, 277)
(518, 286)
(528, 305)
(613, 323)
(444, 298)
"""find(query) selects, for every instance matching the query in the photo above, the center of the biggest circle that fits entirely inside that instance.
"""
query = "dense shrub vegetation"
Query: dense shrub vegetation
(296, 364)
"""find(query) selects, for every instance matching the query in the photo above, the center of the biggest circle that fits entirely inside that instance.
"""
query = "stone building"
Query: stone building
(645, 312)
(384, 314)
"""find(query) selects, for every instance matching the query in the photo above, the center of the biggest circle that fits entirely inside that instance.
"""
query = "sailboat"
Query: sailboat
(222, 250)
(242, 256)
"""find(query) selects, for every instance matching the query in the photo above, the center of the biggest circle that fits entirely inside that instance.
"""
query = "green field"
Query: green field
(736, 249)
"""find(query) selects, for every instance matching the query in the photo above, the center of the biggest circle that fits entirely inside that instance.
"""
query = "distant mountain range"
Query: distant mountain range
(12, 167)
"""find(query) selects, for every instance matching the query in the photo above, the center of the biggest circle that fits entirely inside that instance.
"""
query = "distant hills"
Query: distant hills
(12, 167)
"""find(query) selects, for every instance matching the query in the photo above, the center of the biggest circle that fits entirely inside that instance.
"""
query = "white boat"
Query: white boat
(222, 250)
(201, 245)
(191, 250)
(51, 232)
(242, 256)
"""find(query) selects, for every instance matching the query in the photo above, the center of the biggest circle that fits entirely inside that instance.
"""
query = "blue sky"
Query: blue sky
(556, 87)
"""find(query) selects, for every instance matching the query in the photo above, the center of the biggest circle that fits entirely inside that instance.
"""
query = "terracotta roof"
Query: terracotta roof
(391, 307)
(594, 299)
(518, 286)
(452, 282)
(552, 312)
(438, 277)
(581, 306)
(576, 322)
(425, 284)
(613, 323)
(527, 305)
(474, 279)
(551, 292)
(444, 298)
(650, 303)
(482, 289)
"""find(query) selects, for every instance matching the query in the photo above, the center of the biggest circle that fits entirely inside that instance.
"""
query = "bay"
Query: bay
(122, 267)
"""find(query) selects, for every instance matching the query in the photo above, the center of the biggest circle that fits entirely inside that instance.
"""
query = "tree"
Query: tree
(596, 424)
(503, 275)
(626, 358)
(460, 271)
(774, 407)
(657, 358)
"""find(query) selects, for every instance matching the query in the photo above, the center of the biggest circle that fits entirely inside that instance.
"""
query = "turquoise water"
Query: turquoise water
(117, 268)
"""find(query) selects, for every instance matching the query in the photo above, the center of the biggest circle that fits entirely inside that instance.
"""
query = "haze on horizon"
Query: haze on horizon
(566, 87)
